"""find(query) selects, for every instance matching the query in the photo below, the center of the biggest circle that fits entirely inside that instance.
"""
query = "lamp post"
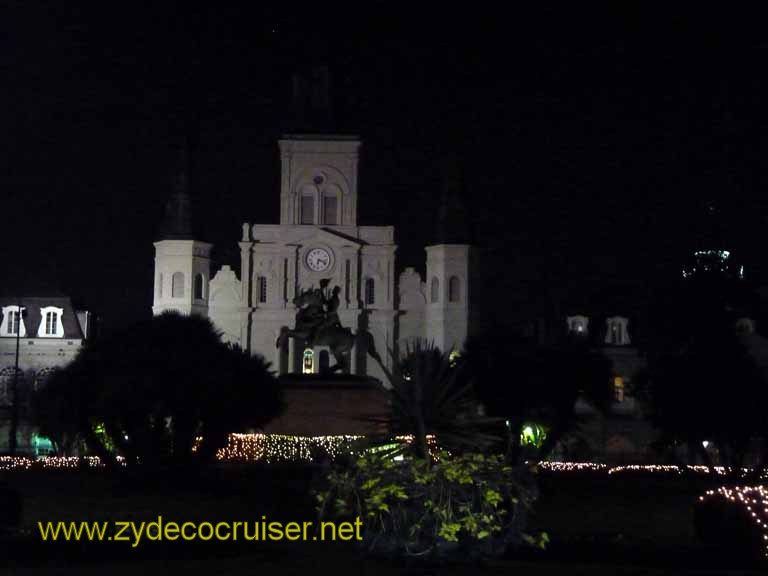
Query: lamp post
(12, 431)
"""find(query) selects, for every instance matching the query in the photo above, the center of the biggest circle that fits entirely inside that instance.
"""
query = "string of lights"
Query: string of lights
(51, 462)
(754, 499)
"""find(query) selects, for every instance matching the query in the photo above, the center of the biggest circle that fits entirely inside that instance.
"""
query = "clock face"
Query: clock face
(318, 259)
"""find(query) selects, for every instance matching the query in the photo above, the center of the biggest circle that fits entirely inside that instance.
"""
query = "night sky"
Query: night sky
(589, 143)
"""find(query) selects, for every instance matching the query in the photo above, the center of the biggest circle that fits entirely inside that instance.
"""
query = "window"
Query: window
(454, 289)
(307, 209)
(177, 285)
(262, 287)
(13, 322)
(617, 333)
(199, 287)
(370, 291)
(618, 389)
(330, 204)
(578, 325)
(435, 290)
(41, 377)
(308, 362)
(50, 323)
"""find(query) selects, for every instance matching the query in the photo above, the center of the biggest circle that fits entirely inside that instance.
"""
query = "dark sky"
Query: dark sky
(589, 142)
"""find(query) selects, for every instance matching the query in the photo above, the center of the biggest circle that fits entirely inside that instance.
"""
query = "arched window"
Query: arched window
(262, 288)
(308, 362)
(325, 361)
(13, 321)
(330, 209)
(370, 291)
(454, 289)
(50, 322)
(199, 287)
(41, 378)
(177, 285)
(307, 205)
(435, 290)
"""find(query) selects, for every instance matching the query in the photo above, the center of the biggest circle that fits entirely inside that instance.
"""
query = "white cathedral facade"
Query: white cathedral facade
(319, 238)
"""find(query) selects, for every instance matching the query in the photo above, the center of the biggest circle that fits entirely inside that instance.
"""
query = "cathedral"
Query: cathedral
(317, 248)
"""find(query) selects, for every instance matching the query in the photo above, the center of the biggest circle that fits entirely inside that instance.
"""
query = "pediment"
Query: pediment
(326, 236)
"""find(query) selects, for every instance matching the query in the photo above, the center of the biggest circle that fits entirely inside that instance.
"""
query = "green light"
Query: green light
(532, 434)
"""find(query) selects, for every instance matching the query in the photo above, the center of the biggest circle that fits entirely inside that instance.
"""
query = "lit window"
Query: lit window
(177, 285)
(330, 204)
(435, 290)
(199, 287)
(13, 322)
(50, 323)
(618, 389)
(454, 289)
(262, 287)
(370, 291)
(308, 362)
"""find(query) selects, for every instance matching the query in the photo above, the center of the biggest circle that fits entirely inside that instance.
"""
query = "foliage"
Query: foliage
(431, 395)
(710, 390)
(521, 381)
(155, 388)
(473, 501)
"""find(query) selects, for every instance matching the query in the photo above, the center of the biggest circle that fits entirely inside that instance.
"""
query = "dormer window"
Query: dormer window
(50, 323)
(578, 325)
(13, 322)
(616, 331)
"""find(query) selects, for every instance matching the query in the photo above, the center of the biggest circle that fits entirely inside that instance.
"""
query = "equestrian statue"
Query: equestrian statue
(317, 323)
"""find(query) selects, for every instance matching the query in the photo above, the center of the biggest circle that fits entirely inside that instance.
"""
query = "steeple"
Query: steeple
(177, 222)
(451, 226)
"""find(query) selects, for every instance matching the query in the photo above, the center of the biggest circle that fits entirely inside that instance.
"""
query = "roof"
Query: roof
(33, 317)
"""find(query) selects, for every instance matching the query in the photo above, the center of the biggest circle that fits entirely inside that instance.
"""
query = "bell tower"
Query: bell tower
(182, 264)
(318, 184)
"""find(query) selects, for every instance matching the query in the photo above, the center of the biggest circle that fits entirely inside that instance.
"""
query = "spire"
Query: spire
(451, 226)
(177, 223)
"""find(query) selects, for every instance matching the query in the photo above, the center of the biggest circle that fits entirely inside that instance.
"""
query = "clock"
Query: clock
(318, 259)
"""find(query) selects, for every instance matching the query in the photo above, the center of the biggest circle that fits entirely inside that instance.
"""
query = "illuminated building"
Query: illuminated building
(47, 332)
(318, 238)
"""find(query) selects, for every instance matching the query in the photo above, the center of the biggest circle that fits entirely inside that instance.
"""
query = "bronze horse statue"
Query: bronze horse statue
(317, 324)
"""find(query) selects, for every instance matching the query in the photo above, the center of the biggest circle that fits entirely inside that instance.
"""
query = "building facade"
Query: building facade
(37, 334)
(318, 238)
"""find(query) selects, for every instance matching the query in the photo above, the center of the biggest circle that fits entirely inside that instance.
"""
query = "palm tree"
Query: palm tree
(431, 395)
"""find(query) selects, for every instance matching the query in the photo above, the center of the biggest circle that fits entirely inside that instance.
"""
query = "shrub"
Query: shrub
(473, 504)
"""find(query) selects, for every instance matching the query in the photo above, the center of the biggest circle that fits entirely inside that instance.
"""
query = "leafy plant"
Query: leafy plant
(432, 395)
(471, 503)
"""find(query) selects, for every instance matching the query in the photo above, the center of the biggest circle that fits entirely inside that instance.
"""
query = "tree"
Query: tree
(431, 395)
(157, 387)
(520, 381)
(711, 390)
